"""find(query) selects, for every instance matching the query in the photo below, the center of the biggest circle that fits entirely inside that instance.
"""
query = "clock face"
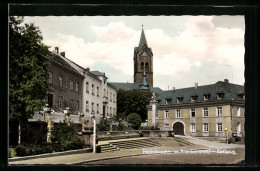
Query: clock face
(144, 54)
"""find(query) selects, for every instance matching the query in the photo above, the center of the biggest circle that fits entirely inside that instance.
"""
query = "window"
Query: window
(192, 127)
(142, 66)
(192, 112)
(71, 85)
(178, 113)
(77, 105)
(179, 99)
(87, 106)
(87, 87)
(205, 127)
(156, 115)
(219, 127)
(238, 111)
(220, 95)
(93, 91)
(206, 96)
(205, 111)
(60, 101)
(107, 110)
(97, 91)
(60, 80)
(238, 128)
(71, 103)
(193, 98)
(114, 97)
(50, 77)
(97, 108)
(92, 107)
(167, 114)
(146, 67)
(110, 96)
(219, 111)
(167, 101)
(77, 87)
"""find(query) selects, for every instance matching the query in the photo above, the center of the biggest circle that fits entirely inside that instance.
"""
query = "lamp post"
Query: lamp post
(227, 134)
(146, 122)
(94, 131)
(47, 118)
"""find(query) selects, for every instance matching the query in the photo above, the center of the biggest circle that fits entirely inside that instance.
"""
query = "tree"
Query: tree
(133, 101)
(28, 85)
(135, 120)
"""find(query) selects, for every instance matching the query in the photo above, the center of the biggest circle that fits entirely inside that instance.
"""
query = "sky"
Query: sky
(186, 49)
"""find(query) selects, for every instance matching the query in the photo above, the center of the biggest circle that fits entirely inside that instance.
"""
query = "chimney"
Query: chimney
(196, 85)
(56, 50)
(87, 69)
(226, 80)
(62, 54)
(173, 88)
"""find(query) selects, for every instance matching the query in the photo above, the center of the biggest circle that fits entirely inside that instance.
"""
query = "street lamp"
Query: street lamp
(66, 112)
(94, 130)
(227, 134)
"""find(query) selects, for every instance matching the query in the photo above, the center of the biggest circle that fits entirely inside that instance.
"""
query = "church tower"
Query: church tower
(143, 61)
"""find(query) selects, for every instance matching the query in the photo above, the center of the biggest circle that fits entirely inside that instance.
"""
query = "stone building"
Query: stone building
(210, 110)
(143, 61)
(98, 96)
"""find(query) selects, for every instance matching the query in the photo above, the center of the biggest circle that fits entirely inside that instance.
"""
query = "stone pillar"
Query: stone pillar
(153, 102)
(82, 121)
(48, 119)
(67, 118)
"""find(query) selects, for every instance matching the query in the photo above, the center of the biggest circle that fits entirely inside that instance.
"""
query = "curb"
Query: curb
(106, 158)
(85, 150)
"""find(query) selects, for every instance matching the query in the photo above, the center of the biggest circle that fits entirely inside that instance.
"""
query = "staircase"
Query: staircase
(128, 144)
(182, 142)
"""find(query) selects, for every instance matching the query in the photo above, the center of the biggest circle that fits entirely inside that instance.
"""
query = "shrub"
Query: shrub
(135, 120)
(103, 125)
(120, 127)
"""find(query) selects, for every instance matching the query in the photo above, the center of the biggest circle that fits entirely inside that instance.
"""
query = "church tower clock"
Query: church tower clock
(143, 61)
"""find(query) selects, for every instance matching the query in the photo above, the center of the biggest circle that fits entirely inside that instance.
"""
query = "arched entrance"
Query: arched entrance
(178, 128)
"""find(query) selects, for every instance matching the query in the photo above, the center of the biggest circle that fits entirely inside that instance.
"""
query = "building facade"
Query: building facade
(143, 62)
(211, 110)
(98, 96)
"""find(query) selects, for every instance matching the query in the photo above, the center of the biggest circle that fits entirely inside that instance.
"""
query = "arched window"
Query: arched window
(142, 66)
(146, 67)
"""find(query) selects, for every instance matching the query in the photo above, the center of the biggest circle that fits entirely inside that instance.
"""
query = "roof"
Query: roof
(97, 73)
(142, 42)
(132, 86)
(231, 91)
(144, 85)
(57, 59)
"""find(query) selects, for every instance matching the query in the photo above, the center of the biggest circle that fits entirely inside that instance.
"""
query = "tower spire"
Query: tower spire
(142, 39)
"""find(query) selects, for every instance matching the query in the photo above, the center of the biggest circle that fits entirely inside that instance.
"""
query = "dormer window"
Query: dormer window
(168, 101)
(206, 96)
(220, 95)
(193, 98)
(179, 99)
(241, 94)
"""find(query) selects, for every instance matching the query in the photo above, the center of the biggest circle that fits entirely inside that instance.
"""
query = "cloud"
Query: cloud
(201, 40)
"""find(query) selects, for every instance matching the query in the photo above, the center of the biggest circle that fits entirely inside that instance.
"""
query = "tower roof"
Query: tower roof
(142, 40)
(144, 85)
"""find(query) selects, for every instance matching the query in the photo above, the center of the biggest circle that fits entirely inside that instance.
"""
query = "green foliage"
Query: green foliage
(149, 128)
(66, 137)
(12, 153)
(135, 120)
(133, 101)
(103, 125)
(120, 127)
(27, 69)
